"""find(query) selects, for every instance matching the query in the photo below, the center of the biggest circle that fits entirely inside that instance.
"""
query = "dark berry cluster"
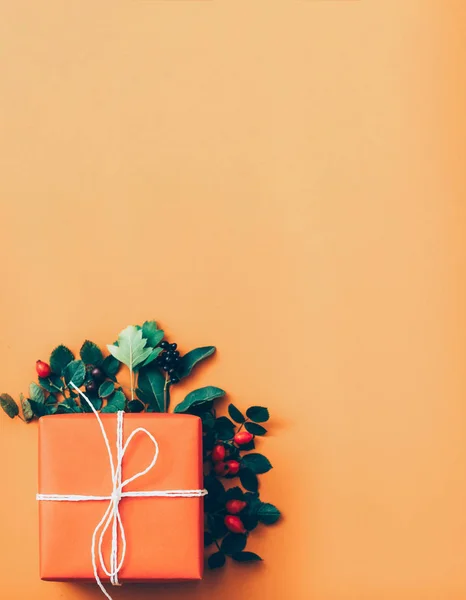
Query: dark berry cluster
(92, 385)
(168, 360)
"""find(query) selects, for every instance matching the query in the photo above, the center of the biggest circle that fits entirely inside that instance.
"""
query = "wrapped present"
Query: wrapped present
(120, 498)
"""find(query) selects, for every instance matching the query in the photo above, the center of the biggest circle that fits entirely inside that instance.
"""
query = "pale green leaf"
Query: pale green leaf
(152, 334)
(131, 349)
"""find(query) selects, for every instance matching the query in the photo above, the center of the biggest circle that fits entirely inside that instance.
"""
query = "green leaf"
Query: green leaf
(233, 542)
(267, 513)
(111, 366)
(199, 396)
(224, 428)
(255, 429)
(94, 400)
(252, 498)
(192, 358)
(91, 354)
(75, 372)
(215, 500)
(250, 521)
(258, 414)
(52, 384)
(258, 463)
(216, 560)
(152, 356)
(234, 493)
(41, 410)
(27, 410)
(9, 405)
(248, 480)
(36, 393)
(217, 527)
(152, 334)
(246, 557)
(131, 349)
(117, 402)
(60, 357)
(208, 539)
(135, 406)
(208, 421)
(51, 399)
(106, 388)
(150, 390)
(235, 414)
(69, 405)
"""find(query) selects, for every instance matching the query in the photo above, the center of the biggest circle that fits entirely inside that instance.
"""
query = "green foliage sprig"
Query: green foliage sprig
(227, 442)
(220, 433)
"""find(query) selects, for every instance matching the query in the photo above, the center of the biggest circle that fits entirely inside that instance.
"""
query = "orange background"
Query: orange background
(282, 178)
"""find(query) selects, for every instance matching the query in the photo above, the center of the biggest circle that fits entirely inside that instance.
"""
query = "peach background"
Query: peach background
(282, 178)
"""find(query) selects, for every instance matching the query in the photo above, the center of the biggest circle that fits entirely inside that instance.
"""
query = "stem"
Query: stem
(131, 376)
(216, 543)
(165, 394)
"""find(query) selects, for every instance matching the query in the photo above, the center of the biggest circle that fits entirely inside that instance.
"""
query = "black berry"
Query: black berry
(164, 345)
(97, 374)
(173, 346)
(91, 387)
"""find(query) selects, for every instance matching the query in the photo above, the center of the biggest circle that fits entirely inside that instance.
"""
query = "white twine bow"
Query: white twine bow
(112, 516)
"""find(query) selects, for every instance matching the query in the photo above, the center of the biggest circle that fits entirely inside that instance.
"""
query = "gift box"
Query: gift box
(164, 535)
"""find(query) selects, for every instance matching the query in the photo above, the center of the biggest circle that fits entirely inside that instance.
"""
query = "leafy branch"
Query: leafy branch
(154, 366)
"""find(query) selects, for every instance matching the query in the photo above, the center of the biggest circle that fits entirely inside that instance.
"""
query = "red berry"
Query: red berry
(242, 438)
(43, 369)
(234, 524)
(221, 469)
(218, 453)
(232, 466)
(235, 506)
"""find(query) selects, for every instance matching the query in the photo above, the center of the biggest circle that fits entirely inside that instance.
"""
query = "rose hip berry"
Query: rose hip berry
(232, 466)
(242, 438)
(234, 524)
(43, 369)
(221, 469)
(235, 506)
(218, 453)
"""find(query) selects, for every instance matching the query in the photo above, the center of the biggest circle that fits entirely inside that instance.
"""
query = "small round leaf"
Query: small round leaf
(106, 389)
(233, 542)
(267, 513)
(216, 560)
(258, 463)
(246, 557)
(248, 480)
(235, 414)
(258, 414)
(255, 429)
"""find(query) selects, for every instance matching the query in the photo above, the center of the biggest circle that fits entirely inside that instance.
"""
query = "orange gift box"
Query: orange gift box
(164, 535)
